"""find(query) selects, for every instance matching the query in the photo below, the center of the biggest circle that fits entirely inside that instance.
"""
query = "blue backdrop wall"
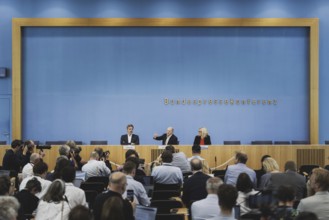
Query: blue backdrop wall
(84, 83)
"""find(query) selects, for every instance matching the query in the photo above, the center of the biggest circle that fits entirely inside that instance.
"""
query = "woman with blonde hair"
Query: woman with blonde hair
(270, 166)
(54, 205)
(202, 138)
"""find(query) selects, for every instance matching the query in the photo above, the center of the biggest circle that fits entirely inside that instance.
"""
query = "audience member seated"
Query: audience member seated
(61, 163)
(270, 166)
(167, 173)
(117, 186)
(39, 172)
(28, 168)
(208, 207)
(132, 155)
(227, 195)
(194, 187)
(15, 158)
(8, 207)
(233, 171)
(113, 209)
(289, 177)
(245, 189)
(7, 186)
(80, 212)
(196, 152)
(74, 195)
(75, 154)
(53, 204)
(179, 160)
(30, 145)
(129, 169)
(284, 210)
(261, 171)
(318, 203)
(202, 138)
(104, 156)
(94, 167)
(167, 138)
(27, 199)
(66, 153)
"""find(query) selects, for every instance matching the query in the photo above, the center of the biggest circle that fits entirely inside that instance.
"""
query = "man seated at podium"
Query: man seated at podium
(129, 138)
(167, 138)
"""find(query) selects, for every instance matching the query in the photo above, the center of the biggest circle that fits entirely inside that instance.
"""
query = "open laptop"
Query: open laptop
(145, 213)
(80, 175)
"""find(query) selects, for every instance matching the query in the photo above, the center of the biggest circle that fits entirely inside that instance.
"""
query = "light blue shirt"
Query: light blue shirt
(139, 190)
(233, 172)
(205, 208)
(318, 204)
(167, 174)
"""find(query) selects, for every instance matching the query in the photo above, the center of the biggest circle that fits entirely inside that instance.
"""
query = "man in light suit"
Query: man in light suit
(129, 138)
(167, 138)
(318, 203)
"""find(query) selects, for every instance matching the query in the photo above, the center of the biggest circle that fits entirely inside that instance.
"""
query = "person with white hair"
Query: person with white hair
(202, 138)
(208, 207)
(167, 138)
(8, 208)
(28, 168)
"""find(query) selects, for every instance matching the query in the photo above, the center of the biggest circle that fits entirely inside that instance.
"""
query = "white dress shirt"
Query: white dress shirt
(27, 170)
(205, 208)
(75, 195)
(167, 174)
(96, 168)
(139, 191)
(44, 185)
(52, 211)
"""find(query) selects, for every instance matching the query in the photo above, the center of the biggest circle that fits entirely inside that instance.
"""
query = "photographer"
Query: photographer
(104, 156)
(15, 158)
(75, 154)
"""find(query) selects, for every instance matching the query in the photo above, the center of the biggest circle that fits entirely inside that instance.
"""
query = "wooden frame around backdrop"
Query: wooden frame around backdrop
(18, 25)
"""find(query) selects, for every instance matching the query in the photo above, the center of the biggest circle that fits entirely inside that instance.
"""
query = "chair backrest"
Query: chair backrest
(261, 142)
(99, 187)
(219, 173)
(232, 142)
(78, 142)
(55, 142)
(170, 216)
(281, 142)
(299, 142)
(165, 194)
(159, 186)
(3, 142)
(326, 142)
(90, 197)
(77, 182)
(98, 142)
(164, 206)
(99, 179)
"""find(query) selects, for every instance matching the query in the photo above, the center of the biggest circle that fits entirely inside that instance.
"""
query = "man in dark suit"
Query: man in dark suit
(168, 138)
(194, 188)
(129, 138)
(289, 177)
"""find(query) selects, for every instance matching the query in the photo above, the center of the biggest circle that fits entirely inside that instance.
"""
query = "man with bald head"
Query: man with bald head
(167, 138)
(117, 186)
(95, 167)
(28, 168)
(194, 187)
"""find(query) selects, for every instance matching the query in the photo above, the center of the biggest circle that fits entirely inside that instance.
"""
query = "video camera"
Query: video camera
(43, 147)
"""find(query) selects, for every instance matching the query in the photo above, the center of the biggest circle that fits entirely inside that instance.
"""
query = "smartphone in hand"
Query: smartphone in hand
(130, 195)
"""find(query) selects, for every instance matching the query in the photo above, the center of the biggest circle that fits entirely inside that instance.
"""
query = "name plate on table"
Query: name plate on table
(204, 147)
(162, 147)
(128, 147)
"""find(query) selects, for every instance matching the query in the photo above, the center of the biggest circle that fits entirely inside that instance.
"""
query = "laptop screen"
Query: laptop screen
(145, 213)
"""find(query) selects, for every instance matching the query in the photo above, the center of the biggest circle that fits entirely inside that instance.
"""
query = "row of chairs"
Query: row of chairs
(64, 142)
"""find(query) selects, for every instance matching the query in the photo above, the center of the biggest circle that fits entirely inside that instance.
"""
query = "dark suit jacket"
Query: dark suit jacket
(197, 140)
(294, 179)
(194, 188)
(101, 199)
(134, 139)
(172, 140)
